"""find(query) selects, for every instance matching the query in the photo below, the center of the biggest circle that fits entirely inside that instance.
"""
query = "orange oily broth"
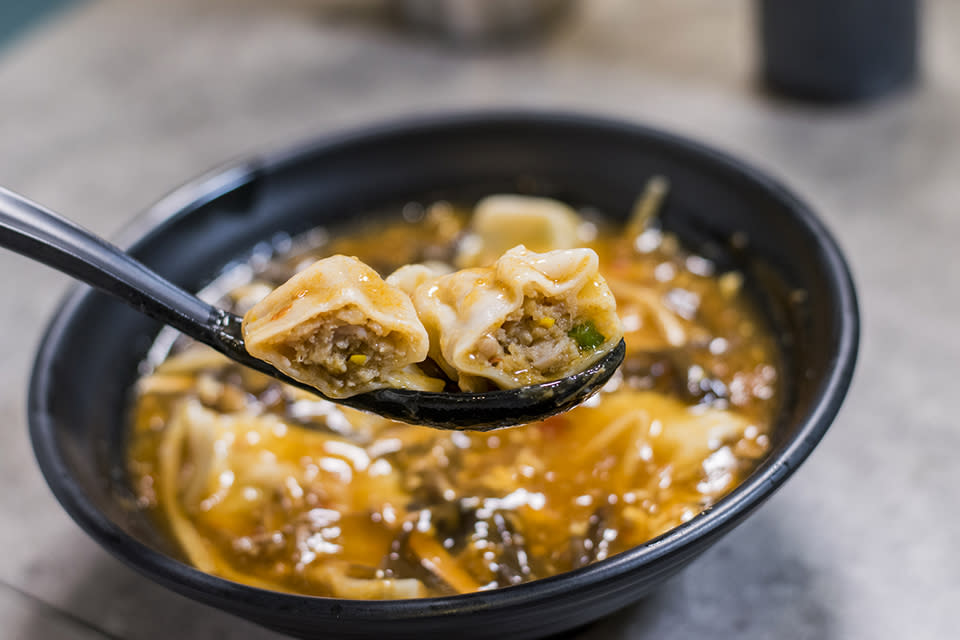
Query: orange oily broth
(366, 501)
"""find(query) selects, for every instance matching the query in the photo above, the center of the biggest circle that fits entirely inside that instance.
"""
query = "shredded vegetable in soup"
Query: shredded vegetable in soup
(265, 484)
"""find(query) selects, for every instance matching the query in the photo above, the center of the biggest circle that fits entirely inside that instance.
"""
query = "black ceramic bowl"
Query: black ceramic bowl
(88, 360)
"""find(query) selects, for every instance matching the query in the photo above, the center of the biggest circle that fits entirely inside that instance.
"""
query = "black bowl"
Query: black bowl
(87, 363)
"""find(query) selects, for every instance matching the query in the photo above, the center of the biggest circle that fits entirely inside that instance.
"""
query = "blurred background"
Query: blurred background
(106, 105)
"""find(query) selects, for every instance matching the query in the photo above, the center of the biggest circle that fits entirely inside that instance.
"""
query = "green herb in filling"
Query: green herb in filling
(586, 336)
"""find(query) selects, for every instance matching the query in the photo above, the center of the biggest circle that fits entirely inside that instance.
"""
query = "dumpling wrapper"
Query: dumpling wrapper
(503, 221)
(340, 328)
(410, 276)
(520, 321)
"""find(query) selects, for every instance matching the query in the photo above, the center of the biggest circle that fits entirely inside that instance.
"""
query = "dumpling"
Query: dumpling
(504, 221)
(340, 328)
(529, 318)
(410, 276)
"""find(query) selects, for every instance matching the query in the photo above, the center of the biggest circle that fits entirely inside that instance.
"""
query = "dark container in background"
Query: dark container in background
(838, 50)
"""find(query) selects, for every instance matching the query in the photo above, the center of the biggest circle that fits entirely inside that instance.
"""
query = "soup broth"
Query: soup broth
(267, 485)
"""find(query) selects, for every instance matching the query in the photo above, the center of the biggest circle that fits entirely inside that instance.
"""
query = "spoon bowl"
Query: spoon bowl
(492, 409)
(447, 410)
(30, 229)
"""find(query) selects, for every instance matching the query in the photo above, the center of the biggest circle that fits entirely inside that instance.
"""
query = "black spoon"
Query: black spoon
(33, 231)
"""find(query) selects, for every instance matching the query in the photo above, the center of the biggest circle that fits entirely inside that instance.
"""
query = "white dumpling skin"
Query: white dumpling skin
(410, 276)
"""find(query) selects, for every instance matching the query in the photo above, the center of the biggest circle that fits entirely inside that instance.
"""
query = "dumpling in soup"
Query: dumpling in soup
(529, 318)
(339, 327)
(505, 220)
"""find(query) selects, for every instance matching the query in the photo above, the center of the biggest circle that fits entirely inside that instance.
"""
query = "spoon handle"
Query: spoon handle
(40, 234)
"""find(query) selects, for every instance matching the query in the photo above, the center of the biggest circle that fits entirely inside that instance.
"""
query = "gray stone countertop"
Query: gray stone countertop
(114, 103)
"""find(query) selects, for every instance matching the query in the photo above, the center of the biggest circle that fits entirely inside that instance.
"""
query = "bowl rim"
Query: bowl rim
(748, 495)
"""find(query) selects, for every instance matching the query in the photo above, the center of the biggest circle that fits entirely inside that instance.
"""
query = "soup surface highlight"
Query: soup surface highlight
(268, 485)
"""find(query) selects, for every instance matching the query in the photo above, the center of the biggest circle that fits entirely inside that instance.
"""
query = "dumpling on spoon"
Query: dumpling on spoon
(339, 327)
(527, 319)
(410, 276)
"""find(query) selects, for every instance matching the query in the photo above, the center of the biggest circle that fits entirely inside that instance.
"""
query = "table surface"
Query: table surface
(114, 103)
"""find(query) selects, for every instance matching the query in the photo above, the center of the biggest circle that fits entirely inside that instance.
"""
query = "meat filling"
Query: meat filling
(533, 341)
(344, 348)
